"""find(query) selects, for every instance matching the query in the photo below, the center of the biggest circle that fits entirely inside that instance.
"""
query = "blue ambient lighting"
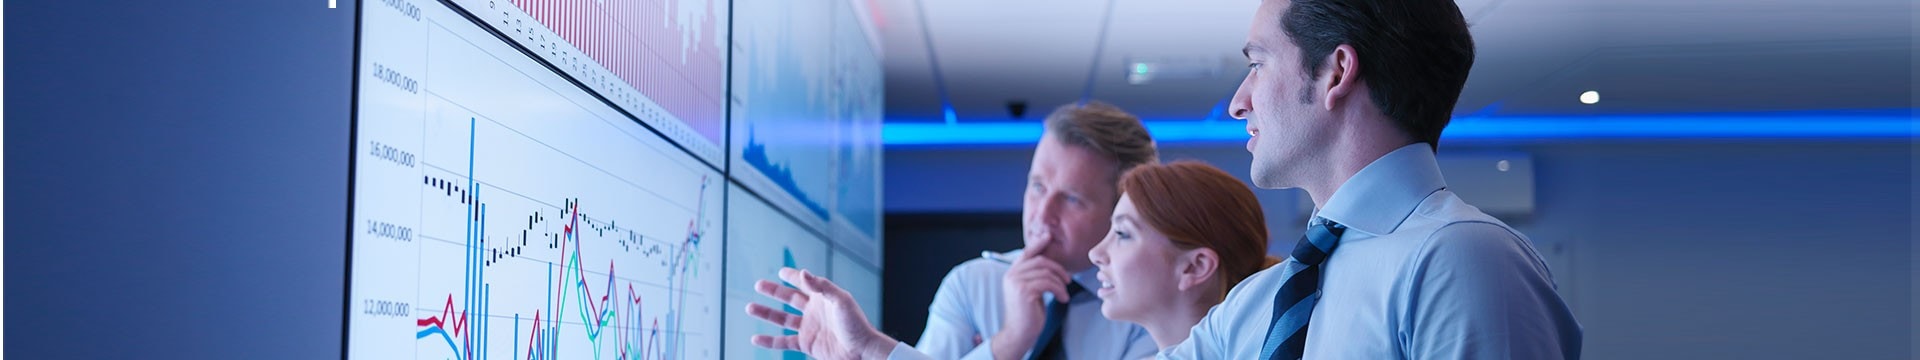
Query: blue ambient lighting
(1896, 123)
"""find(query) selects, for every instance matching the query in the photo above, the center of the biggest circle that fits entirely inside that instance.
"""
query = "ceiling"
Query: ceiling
(1534, 56)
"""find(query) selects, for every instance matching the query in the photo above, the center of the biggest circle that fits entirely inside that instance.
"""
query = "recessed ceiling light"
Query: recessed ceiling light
(1590, 97)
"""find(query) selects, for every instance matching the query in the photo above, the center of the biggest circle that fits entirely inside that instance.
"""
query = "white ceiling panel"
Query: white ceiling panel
(1534, 56)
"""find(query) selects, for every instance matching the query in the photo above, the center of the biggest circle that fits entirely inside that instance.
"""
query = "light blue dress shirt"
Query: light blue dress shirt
(969, 304)
(1417, 275)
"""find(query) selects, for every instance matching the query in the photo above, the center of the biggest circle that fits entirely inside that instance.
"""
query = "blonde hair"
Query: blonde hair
(1105, 129)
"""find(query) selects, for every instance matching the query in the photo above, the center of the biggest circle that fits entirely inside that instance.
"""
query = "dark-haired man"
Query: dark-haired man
(1346, 99)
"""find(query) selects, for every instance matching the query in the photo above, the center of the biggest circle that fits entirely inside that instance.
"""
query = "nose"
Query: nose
(1047, 213)
(1241, 105)
(1099, 252)
(1043, 213)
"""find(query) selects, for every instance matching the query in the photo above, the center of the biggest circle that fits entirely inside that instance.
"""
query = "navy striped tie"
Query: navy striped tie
(1049, 346)
(1293, 305)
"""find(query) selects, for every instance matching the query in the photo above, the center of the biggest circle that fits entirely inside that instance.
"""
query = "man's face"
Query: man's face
(1070, 194)
(1280, 104)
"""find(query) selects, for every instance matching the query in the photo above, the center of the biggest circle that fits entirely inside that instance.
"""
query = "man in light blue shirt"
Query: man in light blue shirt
(1346, 100)
(959, 314)
(1033, 303)
(1418, 274)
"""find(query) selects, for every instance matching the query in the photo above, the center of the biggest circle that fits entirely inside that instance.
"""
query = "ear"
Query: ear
(1198, 267)
(1342, 77)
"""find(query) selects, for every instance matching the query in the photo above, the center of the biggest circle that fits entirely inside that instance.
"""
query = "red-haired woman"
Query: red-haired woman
(1183, 234)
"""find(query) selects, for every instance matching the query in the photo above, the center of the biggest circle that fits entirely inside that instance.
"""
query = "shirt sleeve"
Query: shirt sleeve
(982, 352)
(903, 352)
(950, 331)
(1479, 291)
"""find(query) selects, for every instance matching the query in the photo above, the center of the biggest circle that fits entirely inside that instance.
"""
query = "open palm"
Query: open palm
(830, 324)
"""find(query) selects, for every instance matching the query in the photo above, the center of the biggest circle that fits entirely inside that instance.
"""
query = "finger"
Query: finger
(1032, 288)
(1043, 266)
(1040, 276)
(775, 316)
(1051, 267)
(1059, 290)
(1038, 280)
(788, 342)
(1038, 246)
(785, 294)
(812, 285)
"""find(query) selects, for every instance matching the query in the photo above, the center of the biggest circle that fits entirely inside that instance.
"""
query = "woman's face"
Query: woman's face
(1137, 266)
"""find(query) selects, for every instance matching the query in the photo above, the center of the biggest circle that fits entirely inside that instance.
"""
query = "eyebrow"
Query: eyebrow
(1073, 194)
(1118, 217)
(1248, 50)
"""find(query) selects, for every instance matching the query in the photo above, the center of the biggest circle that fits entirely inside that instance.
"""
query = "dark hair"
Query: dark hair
(1413, 54)
(1106, 130)
(1197, 205)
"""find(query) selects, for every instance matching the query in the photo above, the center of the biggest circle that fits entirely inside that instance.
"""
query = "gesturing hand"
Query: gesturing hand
(830, 324)
(1022, 294)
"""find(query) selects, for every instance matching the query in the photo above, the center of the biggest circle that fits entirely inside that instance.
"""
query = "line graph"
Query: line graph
(541, 179)
(506, 213)
(605, 313)
(622, 316)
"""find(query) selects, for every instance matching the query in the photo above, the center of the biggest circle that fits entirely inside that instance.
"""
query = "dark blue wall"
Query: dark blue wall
(176, 178)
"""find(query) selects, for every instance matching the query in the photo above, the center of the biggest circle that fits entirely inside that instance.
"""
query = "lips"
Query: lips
(1252, 135)
(1106, 285)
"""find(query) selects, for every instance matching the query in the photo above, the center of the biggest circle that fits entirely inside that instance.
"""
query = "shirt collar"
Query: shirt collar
(1381, 196)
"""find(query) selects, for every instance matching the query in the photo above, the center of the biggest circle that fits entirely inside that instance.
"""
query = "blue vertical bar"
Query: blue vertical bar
(549, 295)
(486, 290)
(516, 336)
(474, 201)
(484, 311)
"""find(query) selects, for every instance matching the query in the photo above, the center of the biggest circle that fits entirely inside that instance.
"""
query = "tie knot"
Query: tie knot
(1319, 241)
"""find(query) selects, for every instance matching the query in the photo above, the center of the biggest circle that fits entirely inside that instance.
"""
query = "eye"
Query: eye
(1122, 235)
(1251, 65)
(1075, 200)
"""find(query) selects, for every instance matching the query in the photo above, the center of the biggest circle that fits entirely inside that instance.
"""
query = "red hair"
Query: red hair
(1197, 205)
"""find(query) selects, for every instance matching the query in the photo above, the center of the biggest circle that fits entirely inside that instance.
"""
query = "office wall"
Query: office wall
(1731, 251)
(1665, 249)
(176, 178)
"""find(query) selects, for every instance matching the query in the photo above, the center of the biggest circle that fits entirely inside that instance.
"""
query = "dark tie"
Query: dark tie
(1293, 305)
(1049, 346)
